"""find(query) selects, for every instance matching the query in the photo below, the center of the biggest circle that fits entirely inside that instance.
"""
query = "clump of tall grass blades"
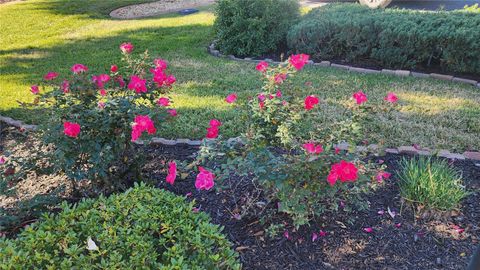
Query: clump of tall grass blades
(433, 184)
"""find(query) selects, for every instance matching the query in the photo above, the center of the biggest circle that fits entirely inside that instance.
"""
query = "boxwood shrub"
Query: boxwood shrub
(143, 228)
(254, 27)
(391, 38)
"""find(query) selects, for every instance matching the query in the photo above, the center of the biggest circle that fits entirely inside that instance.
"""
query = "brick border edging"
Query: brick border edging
(398, 72)
(372, 148)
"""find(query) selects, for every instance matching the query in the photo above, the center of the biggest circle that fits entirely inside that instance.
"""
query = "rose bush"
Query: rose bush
(95, 119)
(293, 153)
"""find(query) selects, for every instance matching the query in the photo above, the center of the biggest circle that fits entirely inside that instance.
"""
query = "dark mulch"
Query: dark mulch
(424, 243)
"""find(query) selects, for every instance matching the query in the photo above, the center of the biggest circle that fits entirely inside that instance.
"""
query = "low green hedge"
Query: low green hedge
(391, 38)
(143, 228)
(253, 27)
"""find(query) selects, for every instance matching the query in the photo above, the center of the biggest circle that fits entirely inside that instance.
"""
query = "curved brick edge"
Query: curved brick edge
(372, 148)
(399, 72)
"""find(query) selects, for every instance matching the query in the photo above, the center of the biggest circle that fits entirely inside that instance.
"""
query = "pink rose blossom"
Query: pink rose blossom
(262, 66)
(299, 60)
(212, 132)
(278, 94)
(231, 98)
(50, 76)
(311, 148)
(337, 150)
(142, 123)
(261, 104)
(163, 101)
(172, 173)
(160, 64)
(215, 123)
(103, 92)
(391, 97)
(79, 68)
(172, 112)
(2, 160)
(360, 97)
(310, 102)
(261, 97)
(71, 129)
(113, 68)
(126, 47)
(204, 179)
(382, 176)
(170, 80)
(343, 171)
(286, 234)
(100, 80)
(137, 84)
(34, 89)
(65, 86)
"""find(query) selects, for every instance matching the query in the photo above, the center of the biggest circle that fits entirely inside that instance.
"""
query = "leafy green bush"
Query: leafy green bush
(431, 183)
(290, 149)
(390, 38)
(253, 27)
(143, 228)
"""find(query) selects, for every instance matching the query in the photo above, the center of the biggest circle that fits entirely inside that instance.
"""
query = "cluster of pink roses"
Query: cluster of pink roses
(343, 171)
(142, 123)
(212, 131)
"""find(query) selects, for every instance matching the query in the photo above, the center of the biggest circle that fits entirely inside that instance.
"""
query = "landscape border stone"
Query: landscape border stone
(399, 72)
(372, 148)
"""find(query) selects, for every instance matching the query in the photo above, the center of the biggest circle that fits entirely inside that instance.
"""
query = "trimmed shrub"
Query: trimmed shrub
(391, 38)
(431, 183)
(253, 27)
(143, 228)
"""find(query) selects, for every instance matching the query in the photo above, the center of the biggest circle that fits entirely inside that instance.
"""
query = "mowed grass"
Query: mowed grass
(46, 35)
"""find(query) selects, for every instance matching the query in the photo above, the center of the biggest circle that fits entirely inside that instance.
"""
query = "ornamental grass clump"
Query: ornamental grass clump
(431, 184)
(292, 155)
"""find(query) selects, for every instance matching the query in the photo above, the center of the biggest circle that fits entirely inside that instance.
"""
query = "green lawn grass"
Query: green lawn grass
(38, 36)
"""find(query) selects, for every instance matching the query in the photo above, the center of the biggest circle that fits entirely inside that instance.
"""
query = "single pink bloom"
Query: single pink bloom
(343, 171)
(322, 233)
(126, 47)
(103, 92)
(279, 94)
(101, 105)
(261, 97)
(368, 230)
(280, 78)
(382, 176)
(262, 66)
(65, 86)
(71, 129)
(391, 97)
(204, 179)
(79, 68)
(231, 98)
(310, 102)
(50, 76)
(311, 148)
(164, 102)
(215, 123)
(360, 97)
(137, 84)
(170, 80)
(172, 112)
(172, 173)
(212, 132)
(298, 61)
(2, 160)
(270, 96)
(286, 234)
(113, 68)
(160, 64)
(261, 105)
(34, 89)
